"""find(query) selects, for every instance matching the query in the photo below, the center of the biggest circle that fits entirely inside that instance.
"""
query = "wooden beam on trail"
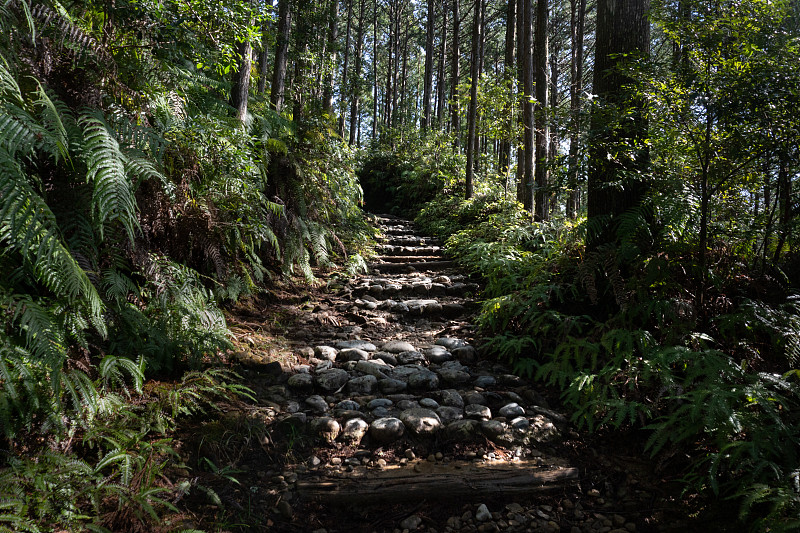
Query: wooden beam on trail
(437, 482)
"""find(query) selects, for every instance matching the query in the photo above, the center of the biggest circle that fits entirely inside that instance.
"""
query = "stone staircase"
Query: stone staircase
(401, 409)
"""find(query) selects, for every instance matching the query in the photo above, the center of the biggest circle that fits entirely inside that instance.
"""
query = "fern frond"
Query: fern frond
(51, 116)
(113, 194)
(113, 368)
(138, 166)
(28, 226)
(71, 33)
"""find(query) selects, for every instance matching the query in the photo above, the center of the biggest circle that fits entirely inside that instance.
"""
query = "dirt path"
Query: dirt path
(381, 415)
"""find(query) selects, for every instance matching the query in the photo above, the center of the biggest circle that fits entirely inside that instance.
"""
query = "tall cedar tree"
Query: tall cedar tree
(577, 18)
(281, 54)
(356, 83)
(618, 157)
(344, 89)
(428, 84)
(455, 75)
(526, 70)
(540, 116)
(504, 158)
(332, 47)
(472, 115)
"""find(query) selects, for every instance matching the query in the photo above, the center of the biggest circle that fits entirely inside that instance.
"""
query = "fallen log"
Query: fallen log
(437, 482)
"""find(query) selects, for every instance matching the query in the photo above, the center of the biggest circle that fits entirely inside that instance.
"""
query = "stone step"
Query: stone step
(400, 230)
(389, 249)
(412, 267)
(454, 290)
(408, 258)
(411, 240)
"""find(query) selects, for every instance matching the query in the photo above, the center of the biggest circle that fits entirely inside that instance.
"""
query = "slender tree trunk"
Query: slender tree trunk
(396, 70)
(403, 78)
(344, 89)
(263, 59)
(577, 17)
(785, 209)
(520, 94)
(542, 131)
(375, 70)
(428, 85)
(241, 81)
(623, 31)
(332, 49)
(552, 150)
(504, 156)
(356, 92)
(473, 95)
(526, 60)
(281, 54)
(440, 82)
(455, 75)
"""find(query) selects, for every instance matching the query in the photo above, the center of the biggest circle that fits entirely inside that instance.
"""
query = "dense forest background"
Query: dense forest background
(623, 175)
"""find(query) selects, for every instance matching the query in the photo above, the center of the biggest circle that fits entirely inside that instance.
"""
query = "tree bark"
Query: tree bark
(332, 49)
(428, 85)
(455, 75)
(440, 82)
(281, 55)
(375, 70)
(356, 92)
(504, 157)
(552, 147)
(542, 132)
(263, 59)
(241, 80)
(618, 157)
(472, 115)
(344, 89)
(577, 17)
(526, 68)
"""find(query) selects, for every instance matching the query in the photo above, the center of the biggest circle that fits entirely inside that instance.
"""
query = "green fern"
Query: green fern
(113, 193)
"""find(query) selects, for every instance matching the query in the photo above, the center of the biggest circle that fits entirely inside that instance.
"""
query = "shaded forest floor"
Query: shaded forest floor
(265, 461)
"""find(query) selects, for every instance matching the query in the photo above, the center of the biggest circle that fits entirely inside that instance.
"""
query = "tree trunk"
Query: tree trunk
(577, 17)
(526, 68)
(504, 157)
(455, 75)
(403, 77)
(356, 92)
(344, 89)
(552, 149)
(472, 115)
(428, 88)
(375, 70)
(281, 55)
(263, 58)
(241, 80)
(541, 127)
(332, 48)
(617, 151)
(785, 214)
(440, 83)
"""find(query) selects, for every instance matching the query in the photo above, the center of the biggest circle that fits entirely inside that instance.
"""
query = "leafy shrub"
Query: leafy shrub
(404, 170)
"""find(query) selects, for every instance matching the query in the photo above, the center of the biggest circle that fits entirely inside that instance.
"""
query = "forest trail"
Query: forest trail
(389, 419)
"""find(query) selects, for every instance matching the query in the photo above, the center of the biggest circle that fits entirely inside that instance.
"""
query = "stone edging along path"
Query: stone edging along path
(400, 411)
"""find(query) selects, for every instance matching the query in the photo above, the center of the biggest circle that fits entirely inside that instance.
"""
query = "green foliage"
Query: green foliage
(405, 170)
(109, 472)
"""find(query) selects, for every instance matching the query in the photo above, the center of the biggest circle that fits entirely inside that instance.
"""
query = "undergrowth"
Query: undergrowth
(627, 337)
